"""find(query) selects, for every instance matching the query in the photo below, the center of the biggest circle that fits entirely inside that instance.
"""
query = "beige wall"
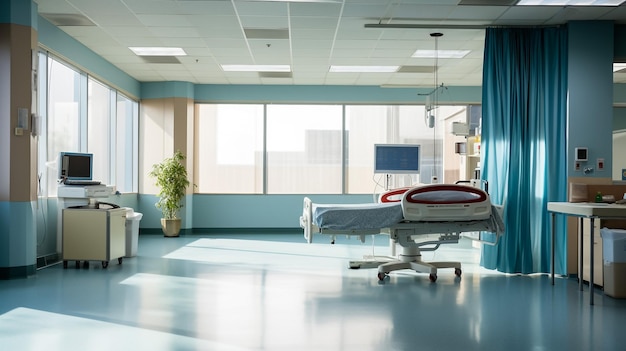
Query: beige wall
(18, 153)
(165, 125)
(572, 223)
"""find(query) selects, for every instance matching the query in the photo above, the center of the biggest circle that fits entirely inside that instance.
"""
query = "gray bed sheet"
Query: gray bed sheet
(357, 216)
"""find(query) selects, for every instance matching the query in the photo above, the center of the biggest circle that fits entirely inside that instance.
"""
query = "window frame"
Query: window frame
(47, 170)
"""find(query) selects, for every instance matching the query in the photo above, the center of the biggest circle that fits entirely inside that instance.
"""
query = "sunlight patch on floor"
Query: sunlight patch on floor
(28, 329)
(315, 258)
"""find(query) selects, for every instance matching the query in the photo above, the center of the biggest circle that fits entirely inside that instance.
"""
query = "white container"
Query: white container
(614, 257)
(132, 232)
(613, 245)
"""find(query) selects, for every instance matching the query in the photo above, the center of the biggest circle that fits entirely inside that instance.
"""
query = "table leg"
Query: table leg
(580, 257)
(591, 284)
(553, 247)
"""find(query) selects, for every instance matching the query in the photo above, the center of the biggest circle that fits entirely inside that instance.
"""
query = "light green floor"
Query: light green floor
(275, 292)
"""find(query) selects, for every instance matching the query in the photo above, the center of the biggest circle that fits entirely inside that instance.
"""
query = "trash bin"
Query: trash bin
(132, 232)
(614, 261)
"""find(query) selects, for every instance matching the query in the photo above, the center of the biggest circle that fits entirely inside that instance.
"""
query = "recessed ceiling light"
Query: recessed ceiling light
(570, 2)
(363, 69)
(256, 68)
(440, 53)
(157, 51)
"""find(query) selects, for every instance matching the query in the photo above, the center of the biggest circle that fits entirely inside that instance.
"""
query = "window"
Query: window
(62, 118)
(229, 142)
(126, 145)
(98, 129)
(78, 113)
(314, 149)
(304, 149)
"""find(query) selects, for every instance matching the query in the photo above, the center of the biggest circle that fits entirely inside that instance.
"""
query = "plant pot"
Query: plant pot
(171, 227)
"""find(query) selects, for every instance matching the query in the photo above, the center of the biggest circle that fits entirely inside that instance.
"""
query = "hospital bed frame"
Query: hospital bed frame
(446, 231)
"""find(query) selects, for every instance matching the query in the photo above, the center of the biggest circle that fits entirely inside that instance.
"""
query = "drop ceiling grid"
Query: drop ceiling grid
(482, 13)
(123, 33)
(174, 32)
(213, 8)
(272, 56)
(186, 43)
(419, 12)
(211, 32)
(88, 7)
(153, 7)
(122, 19)
(264, 22)
(55, 6)
(260, 8)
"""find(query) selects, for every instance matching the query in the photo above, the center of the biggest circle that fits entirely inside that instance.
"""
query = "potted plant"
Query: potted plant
(171, 178)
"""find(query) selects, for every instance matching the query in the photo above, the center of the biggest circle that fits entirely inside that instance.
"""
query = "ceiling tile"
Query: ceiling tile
(320, 34)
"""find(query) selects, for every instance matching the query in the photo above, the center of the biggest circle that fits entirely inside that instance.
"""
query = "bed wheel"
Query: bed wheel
(457, 272)
(432, 277)
(105, 264)
(381, 275)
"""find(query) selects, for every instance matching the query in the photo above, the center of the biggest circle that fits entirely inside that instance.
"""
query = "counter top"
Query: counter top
(588, 209)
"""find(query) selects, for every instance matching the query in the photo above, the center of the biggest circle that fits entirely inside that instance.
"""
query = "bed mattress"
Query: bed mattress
(356, 216)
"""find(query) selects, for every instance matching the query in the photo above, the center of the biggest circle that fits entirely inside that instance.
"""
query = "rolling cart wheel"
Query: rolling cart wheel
(119, 260)
(64, 264)
(86, 264)
(381, 275)
(432, 277)
(77, 264)
(457, 272)
(105, 264)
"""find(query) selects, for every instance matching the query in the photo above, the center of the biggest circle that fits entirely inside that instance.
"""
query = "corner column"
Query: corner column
(18, 146)
(590, 112)
(165, 126)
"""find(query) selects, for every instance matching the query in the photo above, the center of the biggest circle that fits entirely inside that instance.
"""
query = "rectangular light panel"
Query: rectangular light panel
(256, 68)
(440, 53)
(157, 51)
(363, 69)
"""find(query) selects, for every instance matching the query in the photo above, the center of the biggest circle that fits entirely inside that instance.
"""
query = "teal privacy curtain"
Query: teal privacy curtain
(524, 143)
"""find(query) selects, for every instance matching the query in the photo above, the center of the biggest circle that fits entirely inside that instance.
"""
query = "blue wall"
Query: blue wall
(258, 211)
(332, 94)
(590, 101)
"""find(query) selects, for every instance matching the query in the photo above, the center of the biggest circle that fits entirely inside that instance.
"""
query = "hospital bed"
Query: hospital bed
(418, 219)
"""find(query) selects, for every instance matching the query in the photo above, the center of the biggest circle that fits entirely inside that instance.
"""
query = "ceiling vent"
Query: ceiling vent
(67, 19)
(266, 33)
(275, 75)
(160, 59)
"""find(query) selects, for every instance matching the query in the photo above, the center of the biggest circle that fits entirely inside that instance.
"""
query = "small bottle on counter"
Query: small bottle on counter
(599, 197)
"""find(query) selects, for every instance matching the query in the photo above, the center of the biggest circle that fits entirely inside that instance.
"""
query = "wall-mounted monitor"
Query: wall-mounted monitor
(581, 154)
(75, 166)
(397, 158)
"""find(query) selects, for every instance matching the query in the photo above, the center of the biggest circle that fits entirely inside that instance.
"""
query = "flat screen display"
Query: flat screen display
(396, 158)
(74, 165)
